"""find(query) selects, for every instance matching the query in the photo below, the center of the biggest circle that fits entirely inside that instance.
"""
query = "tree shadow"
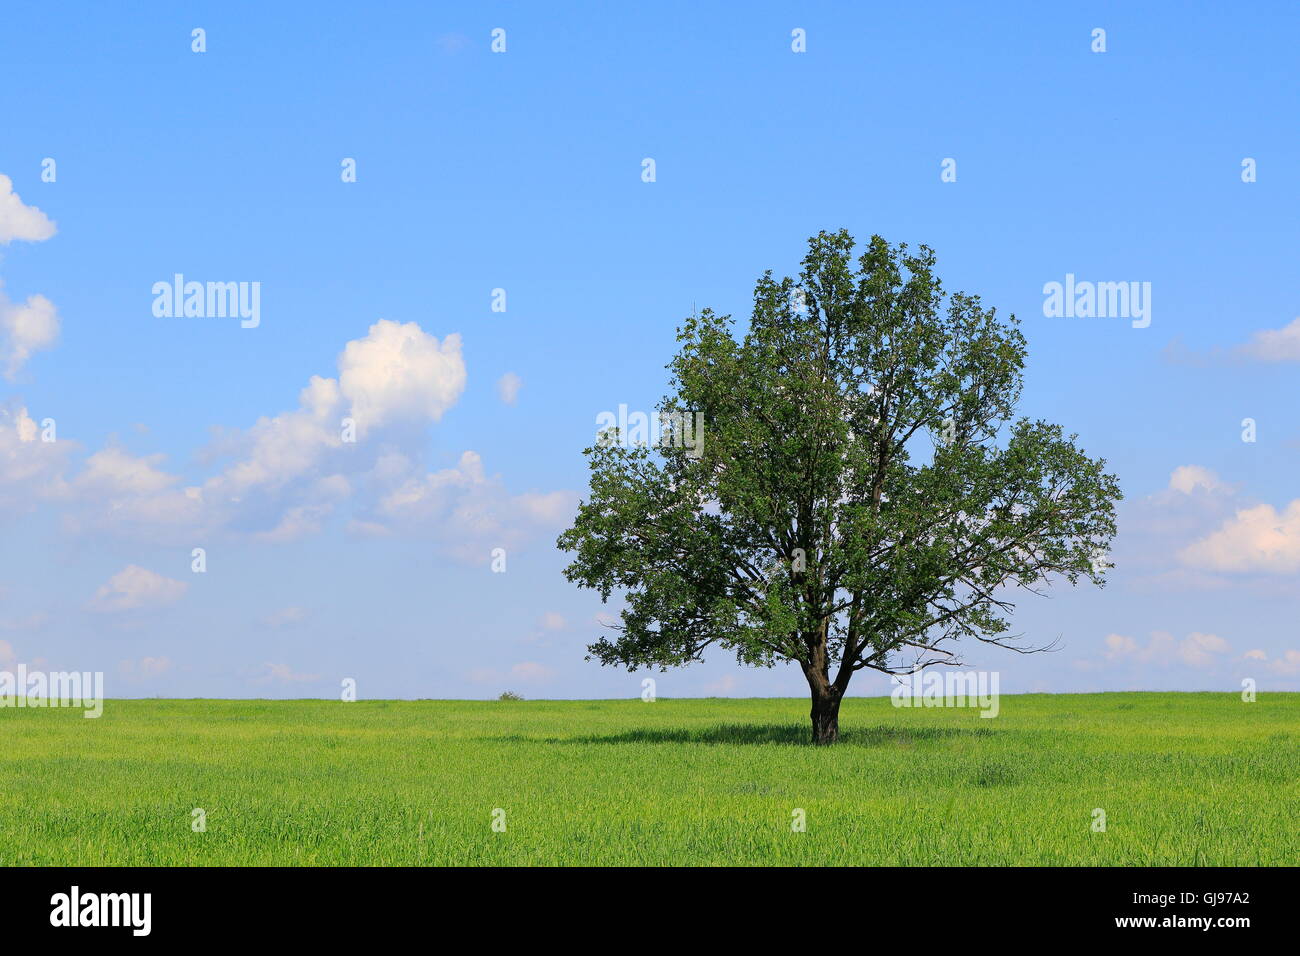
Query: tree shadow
(719, 734)
(784, 734)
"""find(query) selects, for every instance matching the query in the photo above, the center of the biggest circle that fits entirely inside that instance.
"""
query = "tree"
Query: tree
(862, 497)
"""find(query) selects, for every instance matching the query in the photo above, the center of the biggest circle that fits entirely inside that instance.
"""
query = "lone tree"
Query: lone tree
(861, 497)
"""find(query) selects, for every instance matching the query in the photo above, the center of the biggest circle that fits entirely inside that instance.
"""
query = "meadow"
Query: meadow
(1183, 779)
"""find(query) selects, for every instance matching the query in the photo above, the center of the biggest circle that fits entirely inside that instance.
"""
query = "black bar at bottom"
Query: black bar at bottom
(921, 905)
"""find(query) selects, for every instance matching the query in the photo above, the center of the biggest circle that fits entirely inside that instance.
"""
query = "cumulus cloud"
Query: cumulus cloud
(128, 494)
(291, 474)
(1197, 650)
(29, 326)
(1288, 664)
(114, 472)
(287, 473)
(1213, 533)
(1117, 645)
(1273, 345)
(18, 220)
(1258, 539)
(30, 469)
(9, 658)
(508, 386)
(468, 510)
(25, 328)
(400, 372)
(352, 448)
(1192, 502)
(1266, 346)
(145, 667)
(136, 588)
(283, 674)
(1186, 479)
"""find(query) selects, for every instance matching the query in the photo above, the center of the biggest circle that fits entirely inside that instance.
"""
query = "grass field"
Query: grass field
(1182, 778)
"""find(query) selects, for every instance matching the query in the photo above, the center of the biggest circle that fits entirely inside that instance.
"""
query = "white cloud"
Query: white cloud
(9, 658)
(308, 518)
(1266, 345)
(283, 674)
(30, 469)
(282, 448)
(471, 512)
(289, 474)
(508, 386)
(1188, 478)
(128, 494)
(145, 667)
(1288, 664)
(1192, 500)
(1197, 650)
(553, 621)
(1117, 645)
(25, 329)
(1255, 539)
(20, 221)
(114, 472)
(1273, 345)
(290, 471)
(399, 372)
(32, 325)
(135, 588)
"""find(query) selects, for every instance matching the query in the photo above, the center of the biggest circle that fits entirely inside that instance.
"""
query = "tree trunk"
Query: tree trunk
(825, 715)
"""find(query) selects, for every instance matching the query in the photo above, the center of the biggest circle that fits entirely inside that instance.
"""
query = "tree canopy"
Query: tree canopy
(860, 495)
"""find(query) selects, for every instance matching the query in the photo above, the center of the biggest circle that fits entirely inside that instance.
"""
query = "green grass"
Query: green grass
(1200, 779)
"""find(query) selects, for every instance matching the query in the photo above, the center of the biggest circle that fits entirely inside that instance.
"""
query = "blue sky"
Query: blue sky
(522, 171)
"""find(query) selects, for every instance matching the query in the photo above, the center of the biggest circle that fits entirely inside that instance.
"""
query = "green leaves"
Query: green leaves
(863, 489)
